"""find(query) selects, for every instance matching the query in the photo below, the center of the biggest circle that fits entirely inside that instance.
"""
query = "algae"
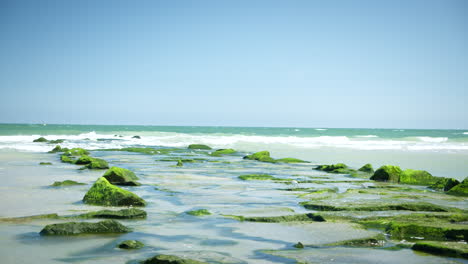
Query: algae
(200, 212)
(77, 228)
(104, 193)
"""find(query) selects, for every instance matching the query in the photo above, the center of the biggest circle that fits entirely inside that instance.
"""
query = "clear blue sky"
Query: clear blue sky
(238, 63)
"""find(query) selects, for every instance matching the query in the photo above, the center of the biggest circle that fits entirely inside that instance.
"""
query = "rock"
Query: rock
(66, 183)
(41, 139)
(299, 245)
(460, 189)
(332, 167)
(77, 228)
(97, 164)
(130, 244)
(280, 219)
(367, 168)
(131, 213)
(429, 231)
(198, 146)
(170, 259)
(449, 249)
(137, 137)
(259, 177)
(374, 241)
(291, 160)
(57, 141)
(420, 206)
(387, 173)
(66, 159)
(200, 212)
(104, 193)
(221, 152)
(83, 160)
(444, 184)
(45, 163)
(58, 149)
(76, 152)
(121, 176)
(417, 177)
(263, 156)
(179, 163)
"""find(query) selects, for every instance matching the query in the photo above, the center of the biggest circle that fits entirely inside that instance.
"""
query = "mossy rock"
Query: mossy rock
(97, 164)
(41, 139)
(130, 244)
(66, 183)
(387, 173)
(200, 212)
(298, 245)
(460, 189)
(256, 177)
(76, 152)
(106, 194)
(263, 156)
(280, 219)
(198, 146)
(170, 259)
(428, 231)
(45, 163)
(83, 160)
(448, 249)
(421, 206)
(373, 241)
(179, 163)
(367, 168)
(221, 152)
(57, 141)
(67, 159)
(444, 184)
(58, 149)
(130, 213)
(78, 228)
(291, 160)
(121, 176)
(137, 137)
(417, 177)
(23, 219)
(332, 168)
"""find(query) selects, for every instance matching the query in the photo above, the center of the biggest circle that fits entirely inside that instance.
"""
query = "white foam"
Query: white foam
(321, 129)
(465, 133)
(368, 136)
(433, 139)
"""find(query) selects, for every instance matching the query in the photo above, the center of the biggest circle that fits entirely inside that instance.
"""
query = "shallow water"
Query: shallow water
(170, 192)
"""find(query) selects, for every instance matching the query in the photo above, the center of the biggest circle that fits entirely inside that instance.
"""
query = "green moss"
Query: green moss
(45, 163)
(444, 184)
(298, 245)
(104, 193)
(221, 152)
(279, 219)
(41, 139)
(67, 159)
(460, 189)
(84, 159)
(387, 173)
(420, 206)
(417, 177)
(120, 176)
(97, 164)
(373, 241)
(170, 259)
(58, 149)
(198, 146)
(130, 244)
(57, 141)
(429, 231)
(367, 168)
(76, 228)
(200, 212)
(449, 249)
(257, 177)
(66, 183)
(332, 167)
(179, 163)
(76, 152)
(131, 213)
(29, 218)
(263, 156)
(291, 160)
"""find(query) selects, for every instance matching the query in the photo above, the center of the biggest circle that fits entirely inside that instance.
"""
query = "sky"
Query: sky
(357, 64)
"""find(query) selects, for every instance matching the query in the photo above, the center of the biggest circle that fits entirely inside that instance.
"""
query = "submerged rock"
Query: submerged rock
(279, 219)
(258, 177)
(131, 213)
(104, 193)
(130, 244)
(137, 137)
(449, 249)
(445, 184)
(387, 173)
(66, 159)
(66, 183)
(420, 206)
(121, 176)
(179, 163)
(332, 167)
(41, 139)
(291, 160)
(198, 146)
(200, 212)
(460, 189)
(221, 152)
(429, 231)
(45, 163)
(374, 241)
(77, 228)
(170, 259)
(57, 141)
(263, 156)
(367, 168)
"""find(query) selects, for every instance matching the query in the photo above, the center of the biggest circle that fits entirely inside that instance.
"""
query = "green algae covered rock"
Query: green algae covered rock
(373, 241)
(460, 189)
(83, 160)
(121, 176)
(387, 173)
(280, 219)
(77, 228)
(417, 177)
(66, 159)
(258, 177)
(367, 168)
(130, 244)
(66, 183)
(420, 206)
(97, 164)
(263, 156)
(137, 137)
(198, 146)
(170, 259)
(428, 231)
(45, 163)
(200, 212)
(221, 152)
(179, 163)
(58, 149)
(76, 152)
(130, 213)
(104, 193)
(298, 245)
(448, 249)
(57, 141)
(291, 160)
(444, 184)
(332, 167)
(41, 139)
